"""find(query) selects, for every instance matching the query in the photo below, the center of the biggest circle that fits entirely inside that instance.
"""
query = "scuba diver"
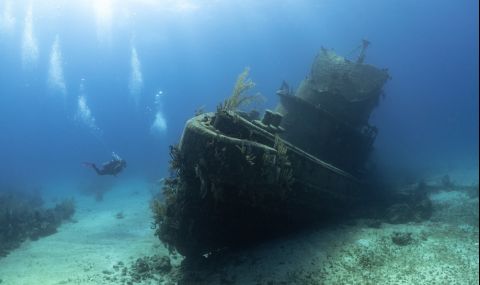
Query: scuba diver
(112, 167)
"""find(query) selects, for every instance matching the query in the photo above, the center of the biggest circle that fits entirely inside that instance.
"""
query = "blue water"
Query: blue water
(118, 55)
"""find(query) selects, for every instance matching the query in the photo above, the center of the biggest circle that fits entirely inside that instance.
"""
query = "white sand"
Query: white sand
(445, 250)
(441, 253)
(80, 251)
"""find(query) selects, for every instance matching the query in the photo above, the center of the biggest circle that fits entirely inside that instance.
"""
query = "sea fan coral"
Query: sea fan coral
(239, 97)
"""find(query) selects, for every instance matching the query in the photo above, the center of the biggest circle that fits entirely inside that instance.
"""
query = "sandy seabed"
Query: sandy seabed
(94, 241)
(443, 250)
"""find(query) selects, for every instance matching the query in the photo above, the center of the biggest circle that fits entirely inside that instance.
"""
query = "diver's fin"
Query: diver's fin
(284, 89)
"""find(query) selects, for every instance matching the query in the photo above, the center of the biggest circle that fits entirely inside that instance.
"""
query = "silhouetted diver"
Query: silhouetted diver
(112, 167)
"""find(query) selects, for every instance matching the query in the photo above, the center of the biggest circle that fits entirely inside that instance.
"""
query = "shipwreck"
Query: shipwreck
(237, 178)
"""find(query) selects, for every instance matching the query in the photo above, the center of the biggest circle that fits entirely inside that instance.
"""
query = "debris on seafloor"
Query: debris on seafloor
(237, 179)
(402, 238)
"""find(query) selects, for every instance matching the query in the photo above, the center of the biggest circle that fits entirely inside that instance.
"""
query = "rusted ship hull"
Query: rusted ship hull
(237, 182)
(237, 178)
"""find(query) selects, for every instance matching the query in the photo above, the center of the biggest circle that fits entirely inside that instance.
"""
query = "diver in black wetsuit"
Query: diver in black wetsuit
(112, 167)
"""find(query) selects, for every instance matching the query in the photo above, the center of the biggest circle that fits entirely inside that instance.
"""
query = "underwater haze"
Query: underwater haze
(80, 79)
